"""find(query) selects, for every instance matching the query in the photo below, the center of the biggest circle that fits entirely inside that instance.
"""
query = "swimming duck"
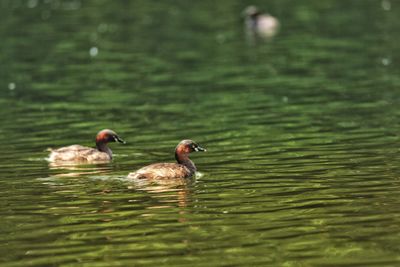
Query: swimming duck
(78, 153)
(259, 24)
(183, 169)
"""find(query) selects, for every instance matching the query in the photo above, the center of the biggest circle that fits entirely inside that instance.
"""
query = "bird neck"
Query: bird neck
(184, 160)
(101, 146)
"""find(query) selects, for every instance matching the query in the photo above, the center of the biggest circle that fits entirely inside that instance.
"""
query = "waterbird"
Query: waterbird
(83, 154)
(185, 168)
(259, 25)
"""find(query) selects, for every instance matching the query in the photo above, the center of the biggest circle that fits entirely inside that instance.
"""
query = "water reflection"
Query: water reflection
(167, 191)
(76, 170)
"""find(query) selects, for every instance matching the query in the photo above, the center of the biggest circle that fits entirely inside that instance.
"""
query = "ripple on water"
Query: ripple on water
(302, 162)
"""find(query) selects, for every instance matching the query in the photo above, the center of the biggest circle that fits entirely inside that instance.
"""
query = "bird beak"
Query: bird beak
(200, 149)
(119, 140)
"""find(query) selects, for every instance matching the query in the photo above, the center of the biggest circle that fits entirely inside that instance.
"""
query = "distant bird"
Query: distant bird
(185, 168)
(83, 154)
(259, 25)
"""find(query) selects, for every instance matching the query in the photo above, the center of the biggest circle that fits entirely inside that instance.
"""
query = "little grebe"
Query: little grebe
(78, 153)
(183, 169)
(258, 24)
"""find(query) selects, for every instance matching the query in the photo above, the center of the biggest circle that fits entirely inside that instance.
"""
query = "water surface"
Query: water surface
(301, 132)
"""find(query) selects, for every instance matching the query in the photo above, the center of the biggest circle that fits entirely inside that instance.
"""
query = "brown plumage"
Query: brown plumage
(183, 169)
(83, 154)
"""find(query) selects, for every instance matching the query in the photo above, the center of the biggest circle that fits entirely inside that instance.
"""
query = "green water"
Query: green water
(301, 132)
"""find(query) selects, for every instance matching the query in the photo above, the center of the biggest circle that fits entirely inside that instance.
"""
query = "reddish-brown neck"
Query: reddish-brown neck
(182, 157)
(101, 144)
